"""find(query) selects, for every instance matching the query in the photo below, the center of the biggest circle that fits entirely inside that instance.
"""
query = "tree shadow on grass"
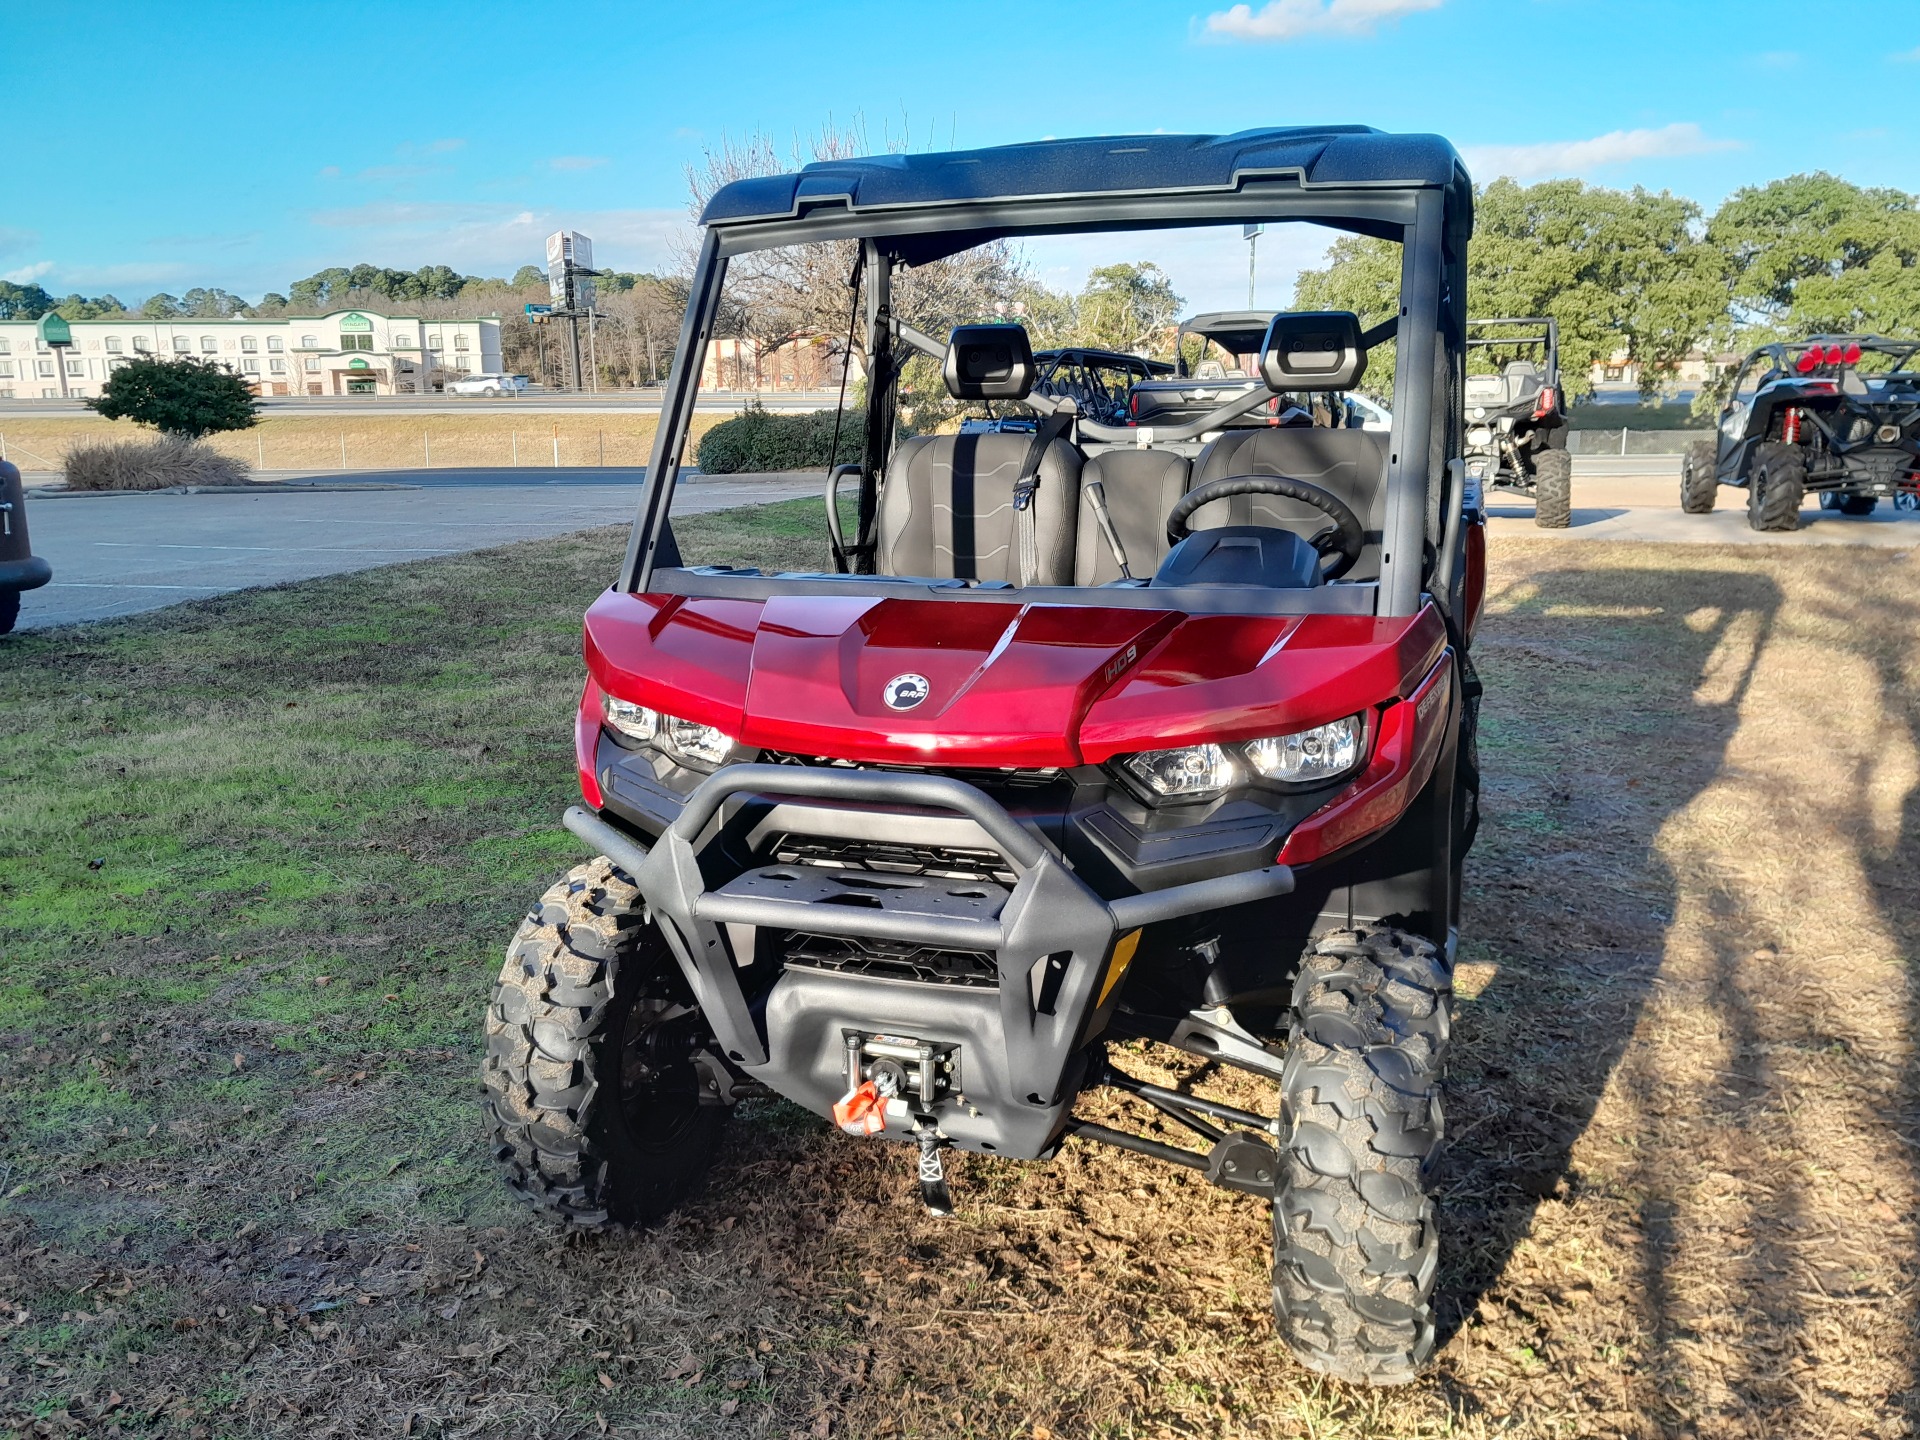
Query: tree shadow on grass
(1612, 694)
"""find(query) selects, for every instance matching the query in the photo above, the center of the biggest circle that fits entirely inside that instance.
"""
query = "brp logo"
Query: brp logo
(903, 692)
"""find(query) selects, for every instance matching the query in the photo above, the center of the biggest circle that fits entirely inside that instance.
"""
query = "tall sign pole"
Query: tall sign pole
(1252, 235)
(570, 275)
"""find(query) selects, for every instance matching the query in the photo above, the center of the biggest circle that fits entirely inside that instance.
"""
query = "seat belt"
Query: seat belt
(1027, 484)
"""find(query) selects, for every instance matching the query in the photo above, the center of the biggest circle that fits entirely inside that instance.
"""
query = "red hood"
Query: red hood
(1006, 684)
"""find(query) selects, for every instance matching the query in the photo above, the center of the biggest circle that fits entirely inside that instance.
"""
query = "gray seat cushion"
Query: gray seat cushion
(1352, 464)
(1141, 486)
(946, 510)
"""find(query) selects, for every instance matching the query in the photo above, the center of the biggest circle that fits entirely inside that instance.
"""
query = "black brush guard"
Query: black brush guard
(1022, 1046)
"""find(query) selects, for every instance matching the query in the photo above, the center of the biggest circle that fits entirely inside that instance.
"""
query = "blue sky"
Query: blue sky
(201, 142)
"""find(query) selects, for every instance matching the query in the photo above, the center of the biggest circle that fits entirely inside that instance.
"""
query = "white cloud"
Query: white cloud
(577, 162)
(497, 239)
(27, 274)
(1282, 20)
(1576, 157)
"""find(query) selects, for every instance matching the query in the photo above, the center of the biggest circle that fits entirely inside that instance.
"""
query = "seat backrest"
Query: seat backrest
(1352, 464)
(1523, 380)
(946, 509)
(1141, 486)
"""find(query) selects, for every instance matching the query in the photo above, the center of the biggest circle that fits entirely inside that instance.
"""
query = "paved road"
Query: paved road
(610, 402)
(121, 554)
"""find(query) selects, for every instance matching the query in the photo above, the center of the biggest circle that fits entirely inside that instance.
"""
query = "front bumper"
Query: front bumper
(1057, 949)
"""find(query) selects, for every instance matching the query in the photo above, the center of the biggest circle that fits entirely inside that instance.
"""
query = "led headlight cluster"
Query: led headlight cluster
(701, 746)
(1197, 772)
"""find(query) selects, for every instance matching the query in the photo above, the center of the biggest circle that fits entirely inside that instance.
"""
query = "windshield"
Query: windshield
(1032, 412)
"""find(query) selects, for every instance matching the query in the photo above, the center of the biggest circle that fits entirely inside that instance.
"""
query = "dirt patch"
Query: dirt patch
(244, 1186)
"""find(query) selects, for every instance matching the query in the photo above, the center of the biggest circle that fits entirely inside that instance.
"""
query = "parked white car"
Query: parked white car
(488, 385)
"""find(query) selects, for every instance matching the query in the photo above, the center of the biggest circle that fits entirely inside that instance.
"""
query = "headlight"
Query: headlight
(1317, 754)
(1479, 435)
(1479, 412)
(702, 746)
(1199, 772)
(1187, 773)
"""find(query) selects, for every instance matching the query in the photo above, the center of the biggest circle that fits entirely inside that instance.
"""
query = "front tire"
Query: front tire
(1699, 485)
(1777, 488)
(1355, 1246)
(1553, 489)
(9, 610)
(592, 1098)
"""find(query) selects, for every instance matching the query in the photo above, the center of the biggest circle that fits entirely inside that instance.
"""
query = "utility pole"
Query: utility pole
(1252, 234)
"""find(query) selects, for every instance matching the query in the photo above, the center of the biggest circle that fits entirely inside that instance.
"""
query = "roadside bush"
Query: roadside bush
(757, 439)
(157, 464)
(180, 396)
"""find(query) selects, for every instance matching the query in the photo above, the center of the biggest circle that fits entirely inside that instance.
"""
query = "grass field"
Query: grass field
(495, 434)
(259, 857)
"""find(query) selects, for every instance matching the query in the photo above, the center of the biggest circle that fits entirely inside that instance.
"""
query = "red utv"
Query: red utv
(1099, 733)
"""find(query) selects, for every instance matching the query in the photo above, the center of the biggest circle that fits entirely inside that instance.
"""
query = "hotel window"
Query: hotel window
(401, 340)
(251, 367)
(313, 364)
(182, 345)
(459, 342)
(249, 344)
(209, 345)
(142, 345)
(113, 344)
(6, 369)
(77, 368)
(309, 342)
(275, 344)
(356, 342)
(45, 368)
(278, 367)
(6, 347)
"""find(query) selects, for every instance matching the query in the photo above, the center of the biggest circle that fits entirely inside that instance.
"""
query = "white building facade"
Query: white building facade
(345, 352)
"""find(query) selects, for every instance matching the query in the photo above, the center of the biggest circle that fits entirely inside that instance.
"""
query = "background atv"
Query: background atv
(1516, 426)
(1095, 737)
(1838, 415)
(1097, 381)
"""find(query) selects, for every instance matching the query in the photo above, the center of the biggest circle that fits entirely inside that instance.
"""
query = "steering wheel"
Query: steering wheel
(1341, 543)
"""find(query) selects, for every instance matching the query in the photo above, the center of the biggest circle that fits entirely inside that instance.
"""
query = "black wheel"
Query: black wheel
(1699, 485)
(592, 1094)
(1355, 1247)
(1552, 489)
(1777, 488)
(1858, 504)
(9, 610)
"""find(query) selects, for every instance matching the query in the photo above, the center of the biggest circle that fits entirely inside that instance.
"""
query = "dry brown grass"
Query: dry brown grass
(1679, 1199)
(155, 463)
(492, 436)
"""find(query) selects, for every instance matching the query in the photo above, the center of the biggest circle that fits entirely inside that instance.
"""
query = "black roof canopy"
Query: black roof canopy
(1116, 165)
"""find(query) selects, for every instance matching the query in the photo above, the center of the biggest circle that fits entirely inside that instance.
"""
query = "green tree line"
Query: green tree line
(1650, 277)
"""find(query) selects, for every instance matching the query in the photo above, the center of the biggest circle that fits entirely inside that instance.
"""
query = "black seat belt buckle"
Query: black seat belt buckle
(1023, 493)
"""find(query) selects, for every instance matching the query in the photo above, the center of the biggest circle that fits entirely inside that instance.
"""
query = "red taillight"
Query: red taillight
(1809, 362)
(1835, 354)
(1852, 357)
(1133, 405)
(1543, 407)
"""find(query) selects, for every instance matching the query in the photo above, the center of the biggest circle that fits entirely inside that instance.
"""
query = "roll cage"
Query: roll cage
(906, 210)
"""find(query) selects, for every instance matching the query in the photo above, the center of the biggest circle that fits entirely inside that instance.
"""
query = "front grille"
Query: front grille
(941, 862)
(890, 960)
(1019, 777)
